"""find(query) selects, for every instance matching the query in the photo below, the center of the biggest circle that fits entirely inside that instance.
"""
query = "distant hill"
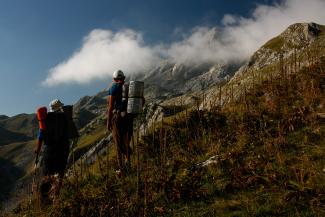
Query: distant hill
(2, 117)
(19, 128)
(22, 123)
(7, 137)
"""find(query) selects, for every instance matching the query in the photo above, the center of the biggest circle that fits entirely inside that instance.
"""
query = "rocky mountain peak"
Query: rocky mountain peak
(302, 33)
(296, 37)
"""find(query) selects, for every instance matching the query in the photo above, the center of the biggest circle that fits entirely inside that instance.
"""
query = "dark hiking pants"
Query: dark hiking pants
(120, 128)
(54, 162)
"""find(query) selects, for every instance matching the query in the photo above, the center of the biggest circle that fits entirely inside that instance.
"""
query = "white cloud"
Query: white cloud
(104, 51)
(240, 37)
(229, 19)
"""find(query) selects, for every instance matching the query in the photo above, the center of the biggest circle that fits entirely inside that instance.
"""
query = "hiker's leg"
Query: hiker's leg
(45, 188)
(45, 183)
(117, 139)
(126, 143)
(60, 184)
(61, 163)
(127, 147)
(129, 134)
(122, 147)
(57, 188)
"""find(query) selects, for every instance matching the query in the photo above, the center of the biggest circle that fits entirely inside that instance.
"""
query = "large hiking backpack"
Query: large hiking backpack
(72, 129)
(56, 129)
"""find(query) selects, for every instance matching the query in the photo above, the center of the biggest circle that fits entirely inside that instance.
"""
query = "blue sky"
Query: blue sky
(38, 35)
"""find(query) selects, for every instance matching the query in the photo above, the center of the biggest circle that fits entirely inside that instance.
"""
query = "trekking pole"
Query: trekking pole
(107, 163)
(34, 177)
(36, 160)
(34, 185)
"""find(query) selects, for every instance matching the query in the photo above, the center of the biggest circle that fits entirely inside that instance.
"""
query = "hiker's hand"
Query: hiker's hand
(38, 147)
(36, 150)
(143, 101)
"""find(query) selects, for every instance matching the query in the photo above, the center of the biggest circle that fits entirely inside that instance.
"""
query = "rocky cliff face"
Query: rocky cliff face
(168, 79)
(88, 108)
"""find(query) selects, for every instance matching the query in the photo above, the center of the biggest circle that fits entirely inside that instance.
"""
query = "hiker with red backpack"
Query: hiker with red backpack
(56, 130)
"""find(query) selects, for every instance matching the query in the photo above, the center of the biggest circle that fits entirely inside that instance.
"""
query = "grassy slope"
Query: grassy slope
(16, 150)
(9, 173)
(17, 143)
(270, 160)
(16, 163)
(270, 171)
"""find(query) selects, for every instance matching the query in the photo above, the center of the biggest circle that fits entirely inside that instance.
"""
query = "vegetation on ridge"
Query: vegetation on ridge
(266, 158)
(255, 149)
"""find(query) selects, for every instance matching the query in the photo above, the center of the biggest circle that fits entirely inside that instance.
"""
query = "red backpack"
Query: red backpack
(41, 116)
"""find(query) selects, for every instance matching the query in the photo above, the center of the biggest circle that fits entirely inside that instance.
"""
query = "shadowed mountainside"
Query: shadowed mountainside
(9, 174)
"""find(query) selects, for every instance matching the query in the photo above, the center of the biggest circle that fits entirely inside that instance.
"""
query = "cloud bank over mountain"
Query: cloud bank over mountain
(104, 51)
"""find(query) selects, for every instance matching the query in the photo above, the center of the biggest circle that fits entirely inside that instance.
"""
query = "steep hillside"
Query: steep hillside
(261, 155)
(9, 173)
(295, 46)
(299, 46)
(17, 135)
(207, 146)
(15, 166)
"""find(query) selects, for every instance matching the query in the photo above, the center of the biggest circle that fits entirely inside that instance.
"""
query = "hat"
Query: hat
(55, 105)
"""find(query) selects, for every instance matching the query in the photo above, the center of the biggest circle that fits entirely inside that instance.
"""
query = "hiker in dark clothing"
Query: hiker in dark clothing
(119, 122)
(55, 138)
